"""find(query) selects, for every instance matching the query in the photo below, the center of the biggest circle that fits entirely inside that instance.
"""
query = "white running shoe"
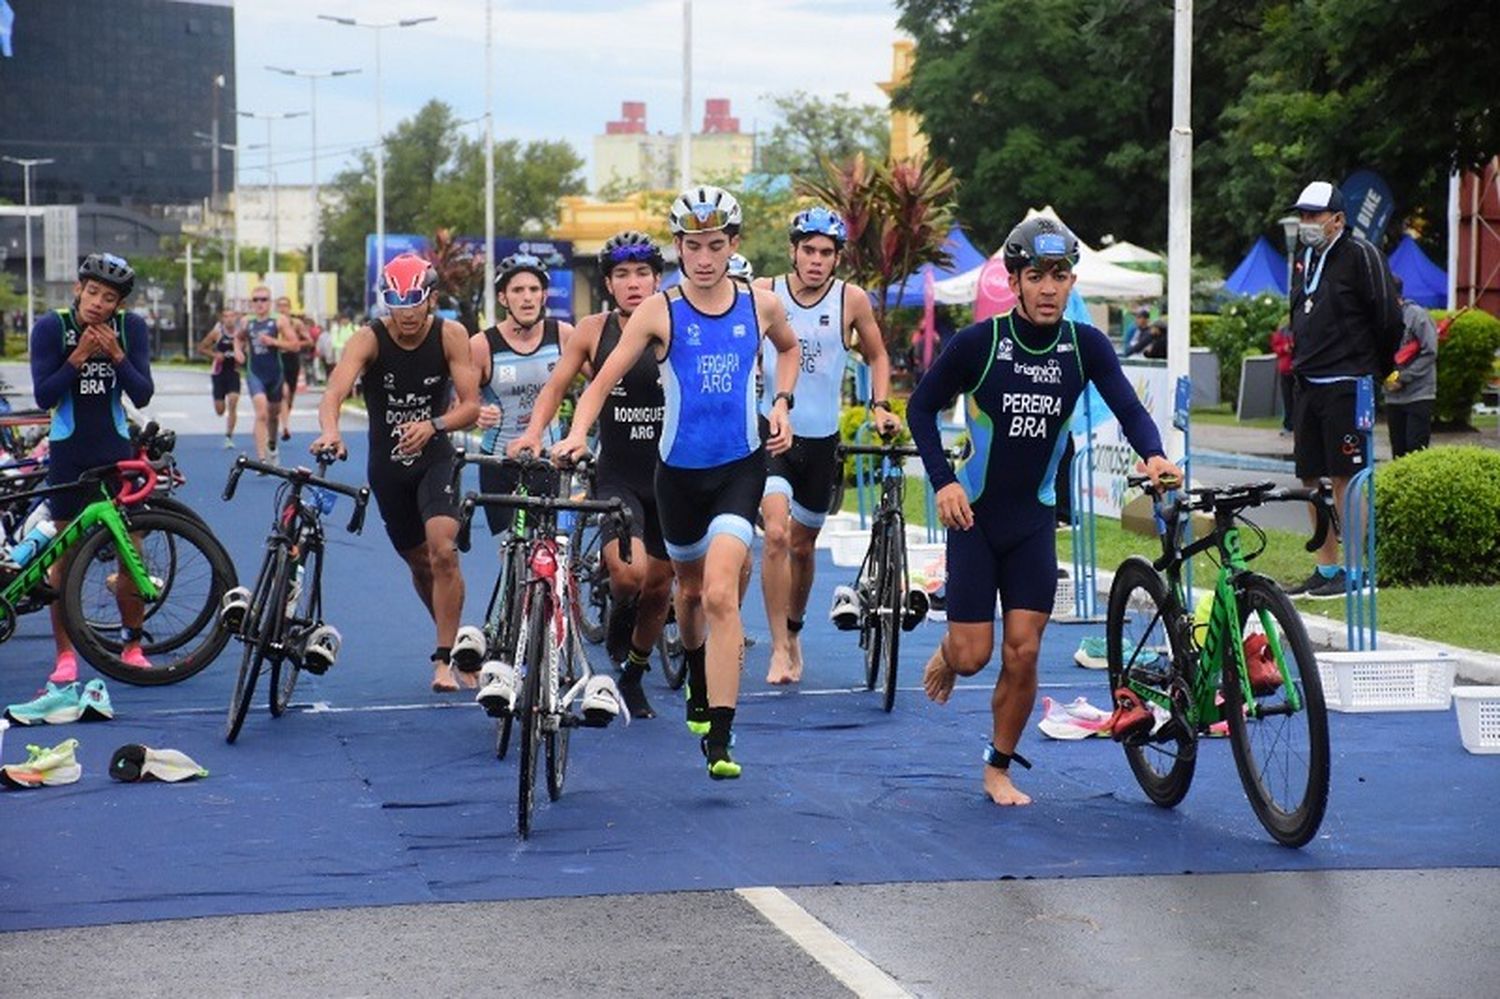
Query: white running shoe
(469, 647)
(1077, 720)
(845, 611)
(498, 684)
(601, 701)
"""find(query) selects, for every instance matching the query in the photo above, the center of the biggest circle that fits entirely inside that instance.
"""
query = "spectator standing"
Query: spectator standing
(1281, 346)
(1138, 334)
(1411, 389)
(1346, 324)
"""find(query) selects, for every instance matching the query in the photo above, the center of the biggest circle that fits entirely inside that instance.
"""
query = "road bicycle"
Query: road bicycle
(1251, 671)
(161, 563)
(887, 605)
(280, 622)
(546, 648)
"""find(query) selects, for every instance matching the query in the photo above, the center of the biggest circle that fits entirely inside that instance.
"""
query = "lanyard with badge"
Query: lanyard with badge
(1311, 281)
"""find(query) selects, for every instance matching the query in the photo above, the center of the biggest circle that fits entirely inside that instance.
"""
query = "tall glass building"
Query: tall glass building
(113, 91)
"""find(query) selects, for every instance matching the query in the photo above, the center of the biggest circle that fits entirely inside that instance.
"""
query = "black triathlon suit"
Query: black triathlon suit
(407, 386)
(629, 427)
(225, 380)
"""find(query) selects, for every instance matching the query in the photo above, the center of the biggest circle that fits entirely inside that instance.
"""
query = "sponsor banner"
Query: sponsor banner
(557, 254)
(1114, 458)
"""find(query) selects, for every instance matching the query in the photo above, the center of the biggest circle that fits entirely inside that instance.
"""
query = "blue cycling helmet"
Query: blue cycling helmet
(819, 221)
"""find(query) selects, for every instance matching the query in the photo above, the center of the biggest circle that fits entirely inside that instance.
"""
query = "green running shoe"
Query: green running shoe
(721, 765)
(44, 767)
(58, 704)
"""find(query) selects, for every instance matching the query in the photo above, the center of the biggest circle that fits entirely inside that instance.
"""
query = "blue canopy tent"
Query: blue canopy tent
(908, 294)
(1424, 281)
(1262, 270)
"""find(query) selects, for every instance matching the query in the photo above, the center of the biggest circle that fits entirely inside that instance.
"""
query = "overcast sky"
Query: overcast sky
(561, 67)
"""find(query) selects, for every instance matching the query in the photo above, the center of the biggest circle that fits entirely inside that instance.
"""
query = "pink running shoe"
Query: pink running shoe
(66, 669)
(1077, 720)
(135, 658)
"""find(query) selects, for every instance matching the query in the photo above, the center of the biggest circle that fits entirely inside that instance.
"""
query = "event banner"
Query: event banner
(1114, 458)
(556, 254)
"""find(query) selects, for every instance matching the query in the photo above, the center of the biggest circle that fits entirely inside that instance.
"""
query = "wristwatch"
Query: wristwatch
(791, 400)
(439, 424)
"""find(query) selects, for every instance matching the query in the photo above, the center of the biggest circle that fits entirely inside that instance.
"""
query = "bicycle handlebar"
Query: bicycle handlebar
(302, 476)
(1232, 499)
(614, 507)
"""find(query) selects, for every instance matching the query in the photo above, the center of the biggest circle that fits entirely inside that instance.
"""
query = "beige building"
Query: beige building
(628, 155)
(907, 140)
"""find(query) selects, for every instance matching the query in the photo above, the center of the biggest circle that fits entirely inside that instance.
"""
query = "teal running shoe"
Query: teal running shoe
(1093, 653)
(58, 704)
(94, 703)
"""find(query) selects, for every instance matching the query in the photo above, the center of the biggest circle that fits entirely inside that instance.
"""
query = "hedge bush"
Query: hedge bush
(1464, 363)
(1437, 517)
(852, 418)
(1243, 326)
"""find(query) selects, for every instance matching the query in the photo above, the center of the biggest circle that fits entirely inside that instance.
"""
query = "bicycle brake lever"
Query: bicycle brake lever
(465, 519)
(357, 521)
(622, 523)
(234, 478)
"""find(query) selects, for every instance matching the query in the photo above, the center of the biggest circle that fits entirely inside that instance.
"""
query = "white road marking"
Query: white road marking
(857, 972)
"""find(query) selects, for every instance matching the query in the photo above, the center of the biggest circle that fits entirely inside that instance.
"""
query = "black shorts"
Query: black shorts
(994, 557)
(696, 503)
(539, 482)
(409, 498)
(291, 368)
(807, 474)
(1325, 440)
(645, 521)
(225, 382)
(66, 462)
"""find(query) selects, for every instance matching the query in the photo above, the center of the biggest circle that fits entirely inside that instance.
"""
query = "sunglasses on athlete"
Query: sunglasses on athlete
(631, 254)
(704, 218)
(395, 299)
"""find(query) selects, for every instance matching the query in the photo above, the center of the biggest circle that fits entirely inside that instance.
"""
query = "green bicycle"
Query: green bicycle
(1251, 672)
(165, 569)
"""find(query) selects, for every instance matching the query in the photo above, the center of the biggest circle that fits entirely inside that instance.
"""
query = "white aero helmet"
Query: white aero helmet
(705, 209)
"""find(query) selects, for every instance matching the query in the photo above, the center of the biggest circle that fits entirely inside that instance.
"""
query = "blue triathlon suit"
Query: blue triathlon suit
(88, 412)
(1022, 382)
(263, 362)
(712, 469)
(806, 473)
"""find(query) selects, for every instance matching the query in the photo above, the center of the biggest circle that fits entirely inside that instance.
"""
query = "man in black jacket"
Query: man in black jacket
(1346, 323)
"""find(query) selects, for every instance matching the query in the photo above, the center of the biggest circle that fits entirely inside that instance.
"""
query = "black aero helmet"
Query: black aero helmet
(108, 269)
(630, 246)
(1039, 238)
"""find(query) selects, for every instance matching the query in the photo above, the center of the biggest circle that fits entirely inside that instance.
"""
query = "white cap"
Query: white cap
(1320, 196)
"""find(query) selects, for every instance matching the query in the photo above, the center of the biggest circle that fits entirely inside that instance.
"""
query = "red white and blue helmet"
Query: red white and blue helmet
(819, 221)
(407, 281)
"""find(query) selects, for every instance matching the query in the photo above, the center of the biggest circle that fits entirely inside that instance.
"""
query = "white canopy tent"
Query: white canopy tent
(1125, 252)
(1097, 277)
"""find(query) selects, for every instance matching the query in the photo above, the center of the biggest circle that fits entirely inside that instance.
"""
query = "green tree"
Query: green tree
(434, 179)
(812, 128)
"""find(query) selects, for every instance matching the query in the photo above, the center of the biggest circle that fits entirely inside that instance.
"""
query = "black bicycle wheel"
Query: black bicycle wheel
(507, 614)
(1141, 644)
(255, 632)
(183, 634)
(869, 586)
(558, 738)
(529, 707)
(591, 610)
(892, 604)
(669, 650)
(302, 616)
(1281, 751)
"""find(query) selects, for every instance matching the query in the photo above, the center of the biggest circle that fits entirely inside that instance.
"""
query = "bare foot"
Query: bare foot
(442, 678)
(468, 681)
(1001, 791)
(796, 656)
(781, 669)
(938, 678)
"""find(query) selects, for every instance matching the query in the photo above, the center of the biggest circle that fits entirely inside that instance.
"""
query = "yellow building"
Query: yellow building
(907, 140)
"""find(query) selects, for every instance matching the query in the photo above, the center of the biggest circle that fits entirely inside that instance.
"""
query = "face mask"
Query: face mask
(1311, 234)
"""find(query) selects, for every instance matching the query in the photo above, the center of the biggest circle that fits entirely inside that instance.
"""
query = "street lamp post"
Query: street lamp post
(234, 150)
(489, 169)
(268, 117)
(312, 77)
(26, 166)
(1289, 224)
(377, 27)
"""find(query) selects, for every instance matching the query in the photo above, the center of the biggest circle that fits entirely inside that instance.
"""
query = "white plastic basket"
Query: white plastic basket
(1478, 718)
(1386, 680)
(847, 548)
